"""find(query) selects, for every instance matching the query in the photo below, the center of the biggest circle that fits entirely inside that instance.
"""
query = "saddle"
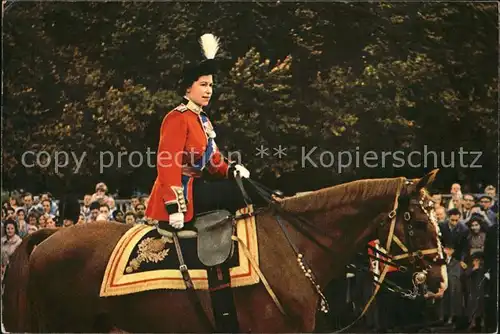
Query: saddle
(213, 230)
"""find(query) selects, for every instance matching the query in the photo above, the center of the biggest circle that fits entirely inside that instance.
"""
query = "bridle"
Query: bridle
(414, 256)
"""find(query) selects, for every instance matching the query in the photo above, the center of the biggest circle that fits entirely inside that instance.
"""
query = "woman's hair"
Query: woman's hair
(33, 214)
(129, 213)
(18, 202)
(20, 209)
(193, 71)
(478, 219)
(10, 222)
(115, 213)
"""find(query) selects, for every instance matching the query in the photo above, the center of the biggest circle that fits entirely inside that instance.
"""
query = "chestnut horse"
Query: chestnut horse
(65, 272)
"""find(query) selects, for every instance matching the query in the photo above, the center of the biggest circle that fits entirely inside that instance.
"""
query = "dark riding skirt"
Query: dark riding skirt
(209, 195)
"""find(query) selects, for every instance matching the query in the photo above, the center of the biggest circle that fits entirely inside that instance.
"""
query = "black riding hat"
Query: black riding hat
(195, 69)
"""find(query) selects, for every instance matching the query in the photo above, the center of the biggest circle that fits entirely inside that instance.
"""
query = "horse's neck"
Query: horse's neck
(344, 229)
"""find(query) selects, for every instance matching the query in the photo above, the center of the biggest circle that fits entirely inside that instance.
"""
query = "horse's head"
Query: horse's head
(411, 236)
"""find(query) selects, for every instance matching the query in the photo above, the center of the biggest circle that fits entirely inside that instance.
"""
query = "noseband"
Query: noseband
(415, 257)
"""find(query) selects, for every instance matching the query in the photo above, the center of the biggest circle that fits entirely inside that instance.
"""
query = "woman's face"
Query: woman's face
(119, 217)
(10, 229)
(20, 215)
(129, 219)
(42, 222)
(200, 91)
(32, 229)
(32, 220)
(50, 223)
(13, 202)
(475, 227)
(46, 206)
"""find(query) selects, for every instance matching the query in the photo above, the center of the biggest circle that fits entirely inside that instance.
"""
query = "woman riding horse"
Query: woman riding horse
(187, 152)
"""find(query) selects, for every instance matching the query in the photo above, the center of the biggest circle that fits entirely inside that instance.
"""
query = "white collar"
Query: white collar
(193, 106)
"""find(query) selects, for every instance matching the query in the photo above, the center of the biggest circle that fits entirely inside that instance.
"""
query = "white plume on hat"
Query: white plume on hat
(209, 45)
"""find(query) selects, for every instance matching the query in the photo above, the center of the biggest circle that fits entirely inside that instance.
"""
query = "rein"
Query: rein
(302, 225)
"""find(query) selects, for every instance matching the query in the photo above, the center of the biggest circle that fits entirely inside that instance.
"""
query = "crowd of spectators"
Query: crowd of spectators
(24, 213)
(469, 229)
(466, 223)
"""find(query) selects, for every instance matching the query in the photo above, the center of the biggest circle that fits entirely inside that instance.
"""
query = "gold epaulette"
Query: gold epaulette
(181, 108)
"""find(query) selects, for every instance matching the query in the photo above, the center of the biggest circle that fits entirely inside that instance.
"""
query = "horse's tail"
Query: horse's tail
(16, 310)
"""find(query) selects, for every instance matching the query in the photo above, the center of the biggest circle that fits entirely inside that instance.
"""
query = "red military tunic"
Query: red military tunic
(184, 140)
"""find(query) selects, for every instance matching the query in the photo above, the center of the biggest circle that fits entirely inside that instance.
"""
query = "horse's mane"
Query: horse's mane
(339, 195)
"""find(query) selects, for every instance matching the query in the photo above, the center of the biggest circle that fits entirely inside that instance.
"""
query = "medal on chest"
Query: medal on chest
(209, 129)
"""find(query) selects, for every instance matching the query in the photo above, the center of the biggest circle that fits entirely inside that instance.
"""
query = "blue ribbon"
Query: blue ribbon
(200, 164)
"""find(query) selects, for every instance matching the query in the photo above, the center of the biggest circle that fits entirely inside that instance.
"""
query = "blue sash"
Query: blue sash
(202, 162)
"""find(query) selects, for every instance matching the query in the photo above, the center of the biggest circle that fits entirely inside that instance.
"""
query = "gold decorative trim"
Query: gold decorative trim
(150, 250)
(116, 282)
(179, 199)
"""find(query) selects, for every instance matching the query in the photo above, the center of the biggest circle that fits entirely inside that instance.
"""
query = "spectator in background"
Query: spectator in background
(4, 217)
(100, 193)
(42, 221)
(32, 229)
(492, 192)
(140, 211)
(130, 218)
(22, 225)
(28, 203)
(455, 233)
(467, 204)
(441, 214)
(53, 205)
(134, 201)
(51, 223)
(104, 210)
(14, 202)
(475, 282)
(11, 213)
(452, 303)
(32, 220)
(47, 208)
(11, 239)
(94, 211)
(112, 206)
(5, 262)
(85, 211)
(486, 202)
(456, 197)
(69, 210)
(438, 200)
(81, 219)
(477, 211)
(491, 287)
(101, 218)
(118, 216)
(476, 237)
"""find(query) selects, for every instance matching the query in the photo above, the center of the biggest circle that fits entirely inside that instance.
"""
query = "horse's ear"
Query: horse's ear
(428, 179)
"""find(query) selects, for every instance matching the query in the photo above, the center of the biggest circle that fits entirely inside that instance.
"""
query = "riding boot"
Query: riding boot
(226, 317)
